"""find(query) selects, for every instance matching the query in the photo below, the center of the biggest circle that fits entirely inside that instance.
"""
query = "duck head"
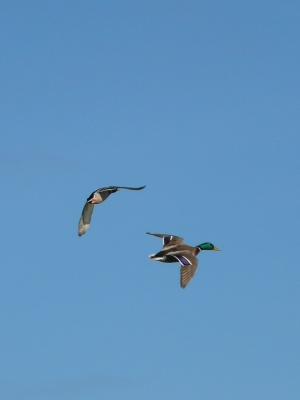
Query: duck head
(207, 246)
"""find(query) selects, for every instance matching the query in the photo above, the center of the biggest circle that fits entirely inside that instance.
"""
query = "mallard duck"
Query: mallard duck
(175, 250)
(97, 197)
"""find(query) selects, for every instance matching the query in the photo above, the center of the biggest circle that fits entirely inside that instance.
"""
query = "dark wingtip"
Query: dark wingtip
(130, 188)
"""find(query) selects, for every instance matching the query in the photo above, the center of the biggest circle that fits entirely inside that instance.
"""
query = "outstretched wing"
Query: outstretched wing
(131, 188)
(188, 268)
(168, 240)
(114, 188)
(85, 219)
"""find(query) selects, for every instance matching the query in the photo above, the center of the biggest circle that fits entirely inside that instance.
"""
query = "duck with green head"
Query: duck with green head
(175, 250)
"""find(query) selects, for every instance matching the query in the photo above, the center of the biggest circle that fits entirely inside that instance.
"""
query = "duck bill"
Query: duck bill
(216, 249)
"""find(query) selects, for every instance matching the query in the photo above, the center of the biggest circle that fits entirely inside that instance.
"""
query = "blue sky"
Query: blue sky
(200, 102)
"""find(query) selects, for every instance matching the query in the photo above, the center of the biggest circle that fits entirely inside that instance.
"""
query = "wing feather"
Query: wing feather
(85, 218)
(168, 240)
(119, 187)
(187, 271)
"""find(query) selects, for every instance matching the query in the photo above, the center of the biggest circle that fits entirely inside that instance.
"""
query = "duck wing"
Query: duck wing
(188, 268)
(130, 188)
(169, 241)
(85, 218)
(114, 188)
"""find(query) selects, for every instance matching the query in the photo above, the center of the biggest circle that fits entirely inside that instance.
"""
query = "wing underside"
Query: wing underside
(85, 218)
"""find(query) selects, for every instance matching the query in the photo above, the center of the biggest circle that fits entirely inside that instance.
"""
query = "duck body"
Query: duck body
(175, 250)
(97, 197)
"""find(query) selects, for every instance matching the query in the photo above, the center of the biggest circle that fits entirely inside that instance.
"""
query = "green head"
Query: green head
(208, 246)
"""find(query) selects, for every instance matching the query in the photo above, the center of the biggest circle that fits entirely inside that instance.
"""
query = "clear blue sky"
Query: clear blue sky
(198, 100)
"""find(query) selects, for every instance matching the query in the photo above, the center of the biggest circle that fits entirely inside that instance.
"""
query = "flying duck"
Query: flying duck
(175, 250)
(97, 197)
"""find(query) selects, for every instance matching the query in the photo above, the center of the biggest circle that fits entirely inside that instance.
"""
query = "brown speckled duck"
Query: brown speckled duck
(97, 197)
